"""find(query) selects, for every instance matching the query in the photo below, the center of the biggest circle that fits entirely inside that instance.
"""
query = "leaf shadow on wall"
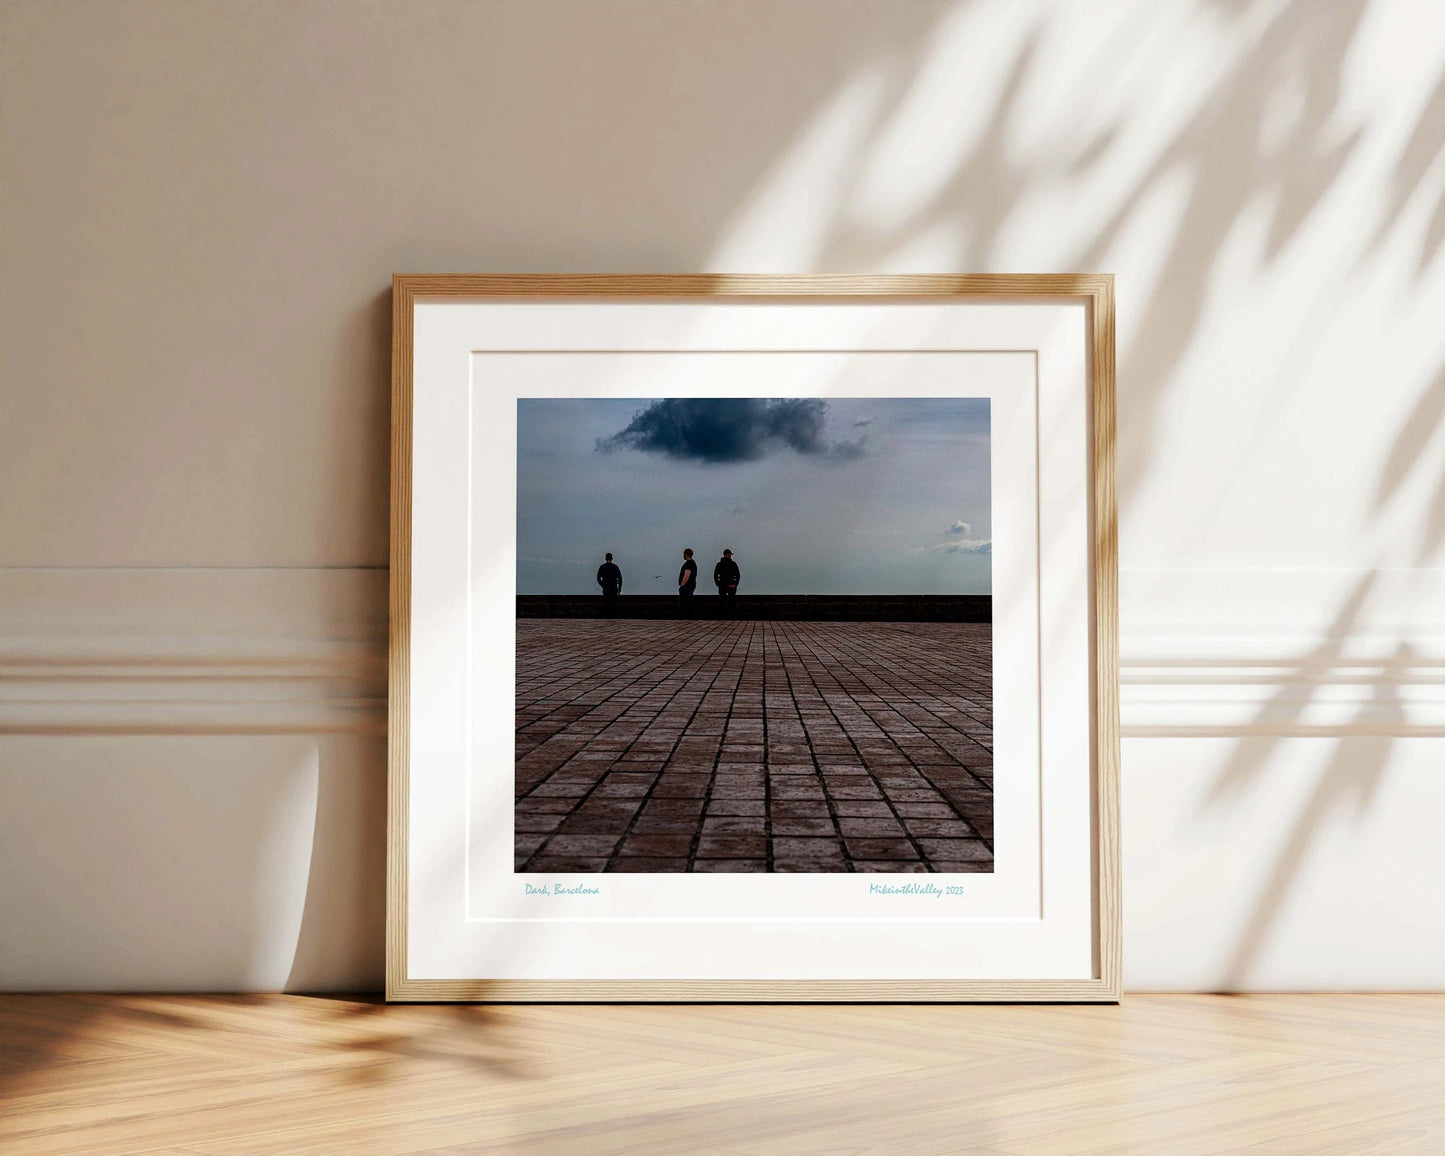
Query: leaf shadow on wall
(1229, 168)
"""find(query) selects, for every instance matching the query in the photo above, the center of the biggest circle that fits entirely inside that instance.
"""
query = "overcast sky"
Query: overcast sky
(844, 496)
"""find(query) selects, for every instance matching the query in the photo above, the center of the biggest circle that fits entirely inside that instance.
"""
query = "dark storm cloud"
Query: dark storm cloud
(711, 429)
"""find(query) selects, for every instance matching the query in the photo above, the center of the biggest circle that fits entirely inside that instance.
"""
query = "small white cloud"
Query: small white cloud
(957, 546)
(967, 546)
(543, 561)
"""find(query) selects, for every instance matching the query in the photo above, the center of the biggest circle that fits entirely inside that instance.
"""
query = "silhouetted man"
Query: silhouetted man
(687, 576)
(726, 576)
(609, 577)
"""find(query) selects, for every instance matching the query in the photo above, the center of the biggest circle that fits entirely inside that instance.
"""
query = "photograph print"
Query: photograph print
(754, 635)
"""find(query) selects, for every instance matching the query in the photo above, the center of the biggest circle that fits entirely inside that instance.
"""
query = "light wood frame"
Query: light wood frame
(1097, 292)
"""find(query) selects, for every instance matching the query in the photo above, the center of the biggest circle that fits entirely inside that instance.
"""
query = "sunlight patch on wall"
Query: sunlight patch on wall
(786, 223)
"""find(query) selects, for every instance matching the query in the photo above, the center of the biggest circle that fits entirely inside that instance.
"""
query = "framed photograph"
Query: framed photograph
(753, 638)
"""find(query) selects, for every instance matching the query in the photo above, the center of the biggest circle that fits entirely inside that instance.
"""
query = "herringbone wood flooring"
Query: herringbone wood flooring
(291, 1074)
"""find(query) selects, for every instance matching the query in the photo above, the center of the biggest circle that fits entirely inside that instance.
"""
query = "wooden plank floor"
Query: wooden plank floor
(291, 1074)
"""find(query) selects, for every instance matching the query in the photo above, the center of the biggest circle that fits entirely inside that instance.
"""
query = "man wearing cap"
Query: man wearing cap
(726, 575)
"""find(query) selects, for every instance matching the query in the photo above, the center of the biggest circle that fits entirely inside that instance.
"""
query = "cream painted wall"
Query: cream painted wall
(202, 205)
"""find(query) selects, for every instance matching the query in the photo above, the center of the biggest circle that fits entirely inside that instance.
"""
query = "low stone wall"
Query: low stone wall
(772, 607)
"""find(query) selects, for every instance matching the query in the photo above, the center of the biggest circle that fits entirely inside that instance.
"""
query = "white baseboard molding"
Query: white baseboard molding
(1308, 652)
(1204, 653)
(192, 651)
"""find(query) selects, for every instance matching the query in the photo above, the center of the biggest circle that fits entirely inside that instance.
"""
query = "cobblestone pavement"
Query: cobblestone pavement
(753, 746)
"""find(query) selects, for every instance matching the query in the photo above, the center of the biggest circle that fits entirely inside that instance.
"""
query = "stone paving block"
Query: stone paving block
(739, 773)
(681, 787)
(901, 778)
(788, 847)
(724, 789)
(650, 866)
(731, 846)
(799, 808)
(625, 786)
(739, 791)
(596, 822)
(939, 828)
(691, 762)
(690, 807)
(582, 783)
(545, 805)
(649, 823)
(716, 865)
(879, 848)
(718, 806)
(818, 826)
(639, 765)
(853, 789)
(885, 865)
(565, 789)
(545, 823)
(728, 766)
(734, 824)
(958, 784)
(938, 810)
(969, 796)
(566, 863)
(678, 844)
(874, 827)
(915, 795)
(861, 808)
(798, 788)
(568, 843)
(956, 849)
